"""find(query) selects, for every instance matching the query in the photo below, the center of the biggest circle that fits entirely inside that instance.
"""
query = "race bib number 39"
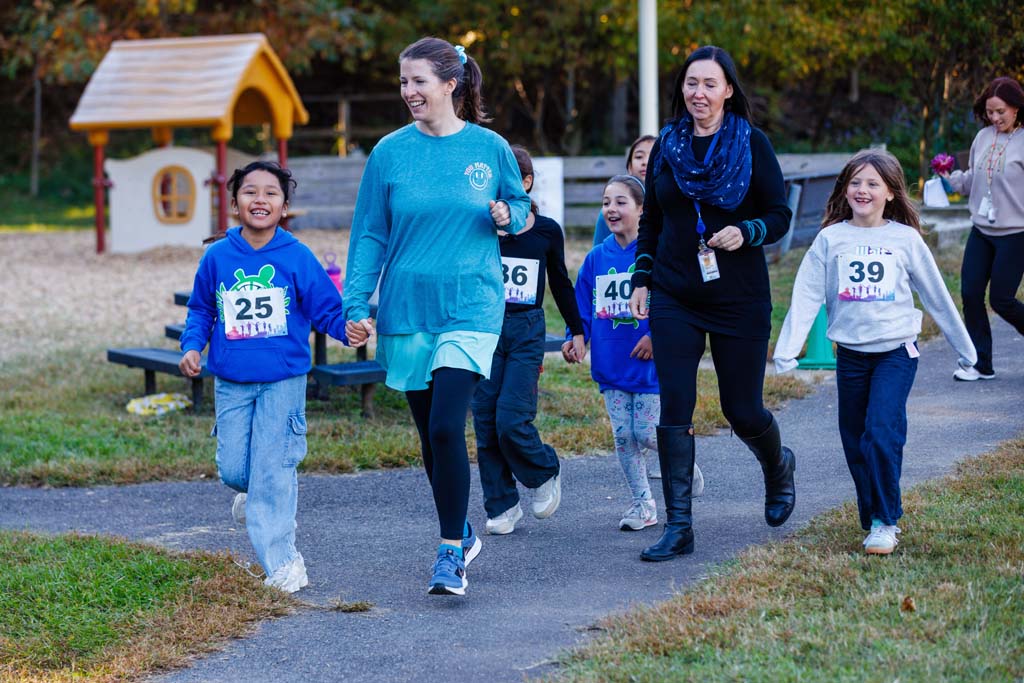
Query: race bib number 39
(520, 276)
(254, 313)
(613, 292)
(867, 275)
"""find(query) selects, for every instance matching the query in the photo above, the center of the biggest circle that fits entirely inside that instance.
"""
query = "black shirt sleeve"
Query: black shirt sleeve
(649, 233)
(558, 278)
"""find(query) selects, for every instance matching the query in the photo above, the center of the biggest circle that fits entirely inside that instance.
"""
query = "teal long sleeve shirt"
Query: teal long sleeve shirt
(423, 226)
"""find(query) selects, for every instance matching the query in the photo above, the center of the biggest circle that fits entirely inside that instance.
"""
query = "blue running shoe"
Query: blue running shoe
(449, 574)
(470, 546)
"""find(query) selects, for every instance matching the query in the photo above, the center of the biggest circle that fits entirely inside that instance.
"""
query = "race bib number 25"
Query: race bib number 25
(254, 313)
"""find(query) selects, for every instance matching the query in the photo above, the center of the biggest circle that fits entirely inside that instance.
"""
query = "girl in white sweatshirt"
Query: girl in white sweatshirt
(865, 265)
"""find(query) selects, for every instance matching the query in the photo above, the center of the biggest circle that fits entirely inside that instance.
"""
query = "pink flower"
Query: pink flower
(943, 163)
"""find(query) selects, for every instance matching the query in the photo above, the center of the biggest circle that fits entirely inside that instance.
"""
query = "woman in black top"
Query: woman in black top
(505, 405)
(715, 195)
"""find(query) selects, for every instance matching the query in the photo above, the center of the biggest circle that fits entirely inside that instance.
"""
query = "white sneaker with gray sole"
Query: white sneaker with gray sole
(238, 508)
(505, 523)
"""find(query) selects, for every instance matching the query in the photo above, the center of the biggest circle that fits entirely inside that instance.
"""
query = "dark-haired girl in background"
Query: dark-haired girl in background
(715, 195)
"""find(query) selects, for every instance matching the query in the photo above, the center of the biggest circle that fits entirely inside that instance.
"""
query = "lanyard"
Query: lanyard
(707, 157)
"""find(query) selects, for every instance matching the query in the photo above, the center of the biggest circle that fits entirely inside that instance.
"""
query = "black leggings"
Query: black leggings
(998, 264)
(739, 364)
(442, 428)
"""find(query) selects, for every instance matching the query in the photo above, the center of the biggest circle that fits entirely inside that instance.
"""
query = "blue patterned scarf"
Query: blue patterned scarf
(724, 181)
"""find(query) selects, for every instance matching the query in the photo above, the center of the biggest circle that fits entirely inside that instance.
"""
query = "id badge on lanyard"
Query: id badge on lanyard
(706, 258)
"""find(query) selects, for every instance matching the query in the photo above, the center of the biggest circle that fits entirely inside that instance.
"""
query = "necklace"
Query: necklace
(994, 155)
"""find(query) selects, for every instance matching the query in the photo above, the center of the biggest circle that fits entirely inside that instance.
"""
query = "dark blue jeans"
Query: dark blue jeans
(873, 391)
(996, 263)
(507, 443)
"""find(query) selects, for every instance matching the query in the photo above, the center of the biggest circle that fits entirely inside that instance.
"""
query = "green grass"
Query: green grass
(947, 606)
(101, 609)
(24, 212)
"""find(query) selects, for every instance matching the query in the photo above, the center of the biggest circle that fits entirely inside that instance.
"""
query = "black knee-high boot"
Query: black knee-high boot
(675, 452)
(778, 464)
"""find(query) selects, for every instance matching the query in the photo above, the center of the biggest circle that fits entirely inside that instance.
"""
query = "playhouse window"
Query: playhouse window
(174, 194)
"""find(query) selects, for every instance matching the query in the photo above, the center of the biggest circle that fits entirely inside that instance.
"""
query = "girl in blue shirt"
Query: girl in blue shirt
(256, 293)
(432, 197)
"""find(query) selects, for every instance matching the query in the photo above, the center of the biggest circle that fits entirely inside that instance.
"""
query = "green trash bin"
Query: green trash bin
(819, 348)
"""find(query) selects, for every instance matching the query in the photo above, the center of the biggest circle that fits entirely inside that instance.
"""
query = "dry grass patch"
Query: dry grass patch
(947, 605)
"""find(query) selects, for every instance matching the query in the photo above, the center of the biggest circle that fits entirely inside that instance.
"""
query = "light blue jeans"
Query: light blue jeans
(261, 437)
(634, 419)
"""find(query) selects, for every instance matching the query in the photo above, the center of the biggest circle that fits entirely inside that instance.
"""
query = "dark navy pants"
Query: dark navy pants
(873, 390)
(504, 407)
(996, 263)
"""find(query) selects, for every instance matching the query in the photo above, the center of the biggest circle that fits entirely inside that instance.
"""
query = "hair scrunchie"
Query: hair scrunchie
(461, 51)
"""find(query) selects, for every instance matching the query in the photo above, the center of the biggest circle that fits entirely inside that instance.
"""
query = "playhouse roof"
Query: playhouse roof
(208, 82)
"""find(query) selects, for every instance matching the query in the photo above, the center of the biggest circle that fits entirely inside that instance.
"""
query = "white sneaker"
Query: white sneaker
(697, 486)
(882, 539)
(505, 523)
(971, 374)
(290, 576)
(547, 497)
(640, 515)
(238, 508)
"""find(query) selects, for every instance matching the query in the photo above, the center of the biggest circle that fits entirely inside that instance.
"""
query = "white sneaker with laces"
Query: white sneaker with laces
(238, 508)
(290, 576)
(971, 375)
(547, 497)
(505, 523)
(640, 515)
(882, 539)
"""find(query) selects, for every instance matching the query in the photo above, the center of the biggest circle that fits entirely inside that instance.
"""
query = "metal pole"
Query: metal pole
(648, 49)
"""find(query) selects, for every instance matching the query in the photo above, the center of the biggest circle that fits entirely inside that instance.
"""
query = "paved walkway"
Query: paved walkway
(372, 536)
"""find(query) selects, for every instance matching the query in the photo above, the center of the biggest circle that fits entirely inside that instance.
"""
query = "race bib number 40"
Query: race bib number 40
(520, 276)
(869, 274)
(613, 292)
(254, 313)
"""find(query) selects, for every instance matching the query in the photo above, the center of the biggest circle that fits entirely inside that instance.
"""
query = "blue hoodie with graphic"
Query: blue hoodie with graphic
(602, 294)
(255, 308)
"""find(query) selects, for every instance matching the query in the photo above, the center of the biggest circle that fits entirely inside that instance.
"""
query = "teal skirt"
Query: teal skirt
(410, 359)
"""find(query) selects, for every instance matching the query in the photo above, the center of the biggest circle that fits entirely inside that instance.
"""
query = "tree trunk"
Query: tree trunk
(37, 126)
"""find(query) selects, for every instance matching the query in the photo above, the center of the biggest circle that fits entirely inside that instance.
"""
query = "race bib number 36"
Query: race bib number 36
(867, 275)
(613, 292)
(520, 276)
(254, 313)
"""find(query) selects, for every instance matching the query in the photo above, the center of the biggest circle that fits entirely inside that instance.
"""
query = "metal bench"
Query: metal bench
(362, 373)
(152, 361)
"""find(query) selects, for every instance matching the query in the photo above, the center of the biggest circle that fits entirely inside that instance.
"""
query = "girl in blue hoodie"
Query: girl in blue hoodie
(621, 363)
(255, 295)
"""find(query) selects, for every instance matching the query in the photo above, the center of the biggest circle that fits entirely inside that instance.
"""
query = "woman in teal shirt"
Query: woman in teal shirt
(432, 197)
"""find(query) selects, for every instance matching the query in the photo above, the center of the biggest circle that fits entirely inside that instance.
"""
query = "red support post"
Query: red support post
(222, 186)
(282, 158)
(282, 152)
(99, 190)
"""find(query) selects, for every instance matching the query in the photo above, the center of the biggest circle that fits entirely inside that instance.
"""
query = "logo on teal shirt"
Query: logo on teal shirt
(480, 175)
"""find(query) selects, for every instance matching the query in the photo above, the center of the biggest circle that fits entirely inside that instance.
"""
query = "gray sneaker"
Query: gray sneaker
(238, 508)
(547, 497)
(505, 523)
(640, 515)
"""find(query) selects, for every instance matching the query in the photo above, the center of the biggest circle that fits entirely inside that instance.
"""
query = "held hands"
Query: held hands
(574, 350)
(643, 349)
(190, 364)
(728, 238)
(359, 332)
(500, 213)
(638, 303)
